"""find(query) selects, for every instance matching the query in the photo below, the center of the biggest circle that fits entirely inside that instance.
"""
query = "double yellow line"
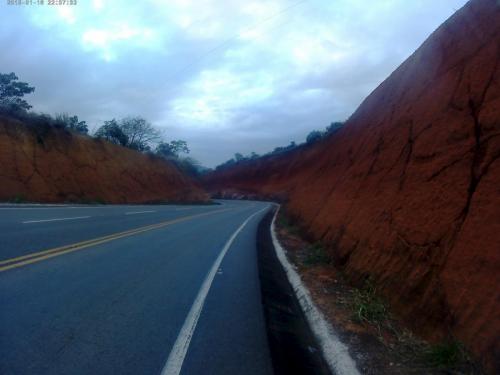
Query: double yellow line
(50, 253)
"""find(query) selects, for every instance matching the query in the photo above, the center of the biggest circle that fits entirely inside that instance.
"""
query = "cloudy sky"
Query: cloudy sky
(225, 75)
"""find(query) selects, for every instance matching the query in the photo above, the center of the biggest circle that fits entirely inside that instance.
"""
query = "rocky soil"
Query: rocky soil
(408, 192)
(51, 165)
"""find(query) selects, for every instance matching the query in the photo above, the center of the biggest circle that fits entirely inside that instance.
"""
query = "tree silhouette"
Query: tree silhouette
(11, 93)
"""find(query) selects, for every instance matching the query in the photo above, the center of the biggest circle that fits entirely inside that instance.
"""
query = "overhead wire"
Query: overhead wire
(226, 42)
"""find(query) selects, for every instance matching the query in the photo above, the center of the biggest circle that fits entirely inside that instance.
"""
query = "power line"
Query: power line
(229, 40)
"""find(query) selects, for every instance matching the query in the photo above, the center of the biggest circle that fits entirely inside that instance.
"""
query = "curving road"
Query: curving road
(131, 290)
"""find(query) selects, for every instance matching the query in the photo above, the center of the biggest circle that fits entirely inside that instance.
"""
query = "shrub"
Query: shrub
(316, 254)
(65, 121)
(314, 136)
(446, 354)
(368, 306)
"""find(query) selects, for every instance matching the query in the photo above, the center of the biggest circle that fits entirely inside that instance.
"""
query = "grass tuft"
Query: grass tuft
(447, 354)
(367, 306)
(19, 198)
(316, 254)
(284, 223)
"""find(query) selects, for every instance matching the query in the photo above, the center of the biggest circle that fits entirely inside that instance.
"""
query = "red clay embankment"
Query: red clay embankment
(408, 192)
(60, 166)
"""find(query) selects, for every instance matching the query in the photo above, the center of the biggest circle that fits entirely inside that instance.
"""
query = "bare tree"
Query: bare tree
(141, 134)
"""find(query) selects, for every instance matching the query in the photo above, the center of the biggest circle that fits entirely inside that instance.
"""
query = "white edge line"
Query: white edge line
(41, 207)
(334, 351)
(58, 219)
(138, 212)
(176, 357)
(191, 208)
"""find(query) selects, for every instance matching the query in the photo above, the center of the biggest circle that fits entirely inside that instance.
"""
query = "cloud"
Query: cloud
(232, 76)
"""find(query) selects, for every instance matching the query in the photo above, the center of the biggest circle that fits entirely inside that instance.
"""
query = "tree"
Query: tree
(334, 126)
(225, 164)
(254, 155)
(291, 146)
(189, 165)
(164, 149)
(173, 149)
(238, 157)
(79, 126)
(63, 120)
(314, 136)
(11, 93)
(112, 132)
(179, 146)
(140, 133)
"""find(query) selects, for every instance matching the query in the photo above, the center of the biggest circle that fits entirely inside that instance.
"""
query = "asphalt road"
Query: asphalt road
(142, 290)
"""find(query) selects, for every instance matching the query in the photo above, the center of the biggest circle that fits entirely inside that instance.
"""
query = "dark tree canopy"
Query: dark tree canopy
(133, 132)
(189, 165)
(334, 126)
(238, 157)
(71, 122)
(112, 132)
(179, 146)
(12, 91)
(172, 149)
(314, 136)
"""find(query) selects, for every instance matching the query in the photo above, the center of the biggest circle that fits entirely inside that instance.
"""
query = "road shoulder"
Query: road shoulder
(358, 314)
(294, 347)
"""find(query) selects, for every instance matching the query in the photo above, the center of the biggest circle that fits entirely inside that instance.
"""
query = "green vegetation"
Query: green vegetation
(85, 200)
(100, 201)
(447, 354)
(19, 198)
(12, 92)
(133, 132)
(313, 137)
(315, 255)
(172, 149)
(14, 105)
(112, 132)
(367, 306)
(317, 135)
(63, 120)
(280, 150)
(140, 133)
(284, 223)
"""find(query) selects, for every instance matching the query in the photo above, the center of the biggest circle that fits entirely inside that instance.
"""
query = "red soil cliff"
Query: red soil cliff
(61, 166)
(408, 191)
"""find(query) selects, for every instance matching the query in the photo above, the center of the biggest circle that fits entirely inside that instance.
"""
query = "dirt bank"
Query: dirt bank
(59, 166)
(408, 192)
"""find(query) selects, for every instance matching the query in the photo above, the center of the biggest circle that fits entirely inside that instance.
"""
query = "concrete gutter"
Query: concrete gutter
(335, 353)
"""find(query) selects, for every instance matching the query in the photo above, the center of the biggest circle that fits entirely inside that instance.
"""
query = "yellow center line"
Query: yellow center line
(50, 253)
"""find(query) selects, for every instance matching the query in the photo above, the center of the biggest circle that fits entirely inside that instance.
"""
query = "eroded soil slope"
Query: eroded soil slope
(59, 166)
(408, 192)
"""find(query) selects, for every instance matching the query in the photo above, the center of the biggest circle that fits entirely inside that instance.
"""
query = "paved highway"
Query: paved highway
(131, 290)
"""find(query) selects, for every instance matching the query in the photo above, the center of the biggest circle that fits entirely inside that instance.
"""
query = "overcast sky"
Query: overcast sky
(225, 75)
